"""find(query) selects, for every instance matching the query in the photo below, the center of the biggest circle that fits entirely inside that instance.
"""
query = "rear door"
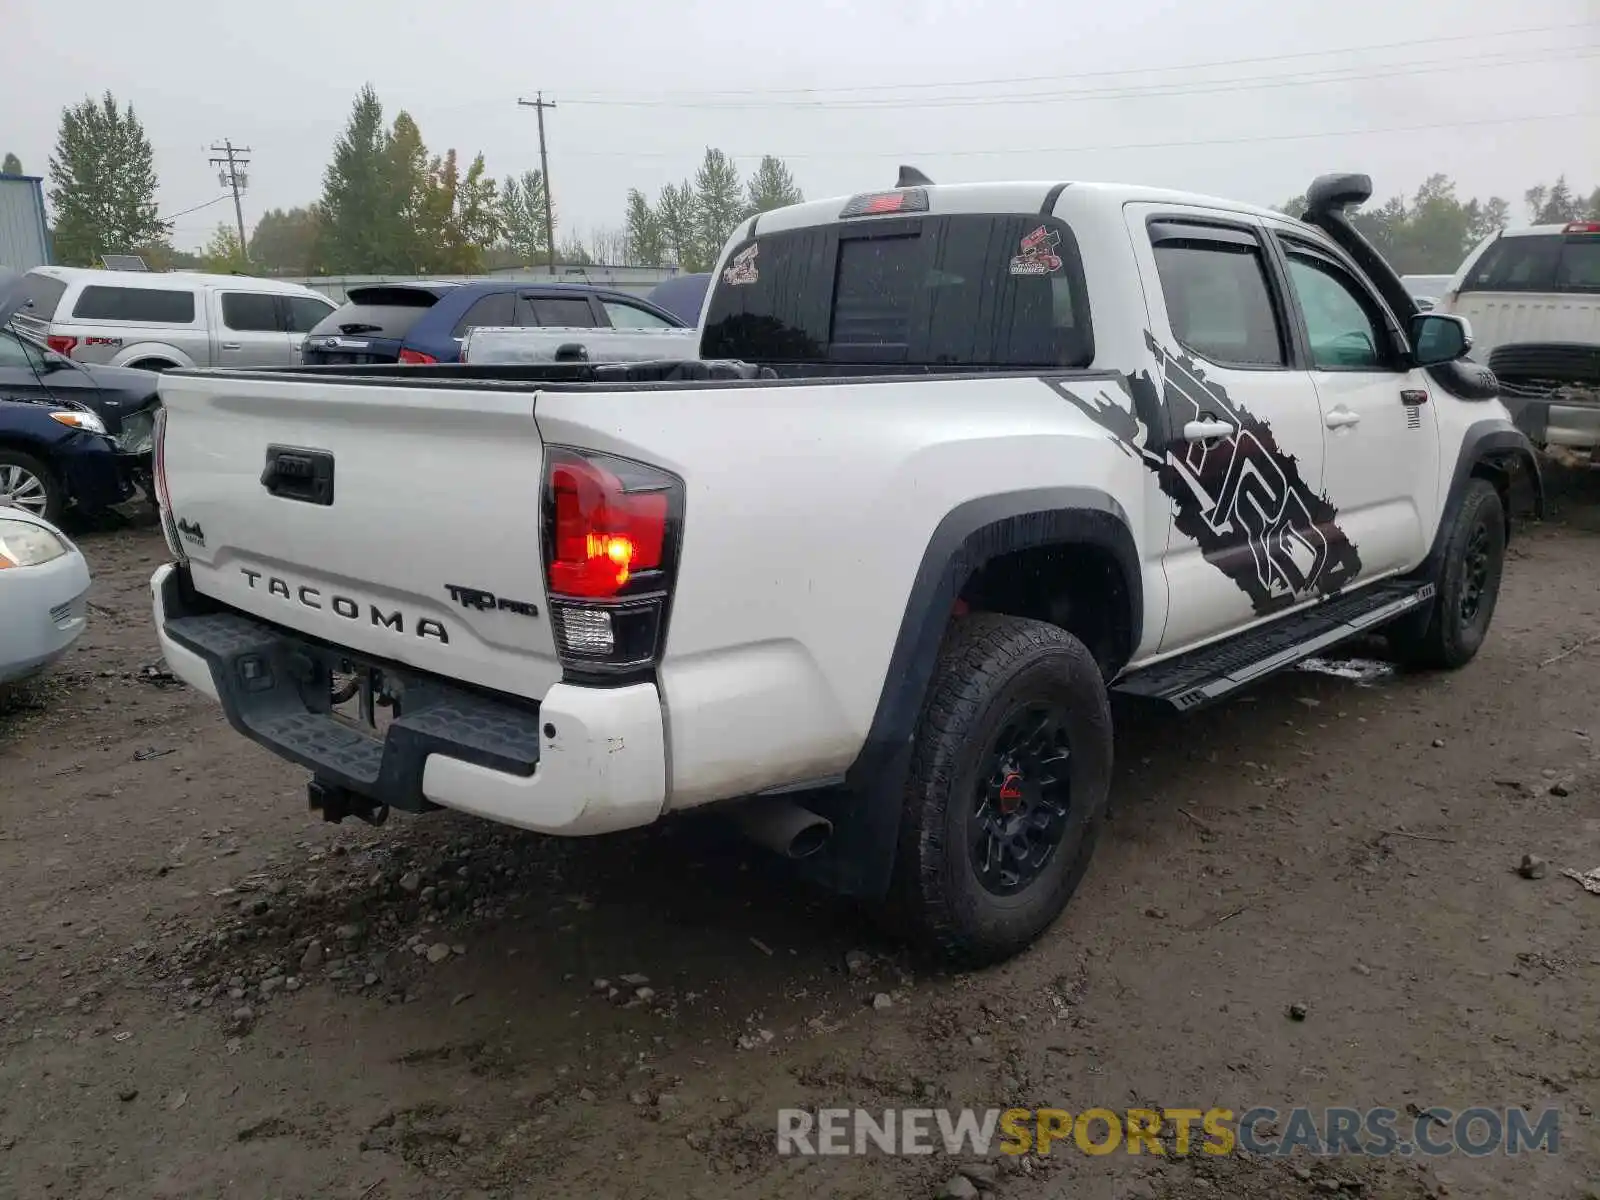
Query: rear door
(1251, 537)
(249, 330)
(1381, 439)
(498, 309)
(558, 310)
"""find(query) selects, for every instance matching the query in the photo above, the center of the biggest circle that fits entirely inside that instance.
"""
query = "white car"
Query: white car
(44, 594)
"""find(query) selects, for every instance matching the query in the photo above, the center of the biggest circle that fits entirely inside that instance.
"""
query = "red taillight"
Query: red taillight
(603, 533)
(61, 344)
(1583, 227)
(417, 358)
(611, 530)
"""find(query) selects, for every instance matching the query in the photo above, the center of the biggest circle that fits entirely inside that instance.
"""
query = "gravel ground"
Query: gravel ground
(207, 992)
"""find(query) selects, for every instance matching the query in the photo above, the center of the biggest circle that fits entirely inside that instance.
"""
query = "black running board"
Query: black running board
(1208, 674)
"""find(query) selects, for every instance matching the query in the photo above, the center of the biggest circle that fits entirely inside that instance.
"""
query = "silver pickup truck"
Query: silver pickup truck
(502, 345)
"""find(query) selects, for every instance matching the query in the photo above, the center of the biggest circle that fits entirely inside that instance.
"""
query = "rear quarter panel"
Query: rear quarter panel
(808, 511)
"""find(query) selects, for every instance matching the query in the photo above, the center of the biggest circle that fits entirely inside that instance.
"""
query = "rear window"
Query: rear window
(498, 309)
(250, 312)
(940, 291)
(387, 312)
(158, 306)
(1538, 262)
(43, 294)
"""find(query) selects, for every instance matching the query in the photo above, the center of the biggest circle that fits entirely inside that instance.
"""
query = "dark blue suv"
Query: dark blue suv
(425, 322)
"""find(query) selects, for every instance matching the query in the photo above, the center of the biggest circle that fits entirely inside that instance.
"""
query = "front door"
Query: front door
(1251, 537)
(1381, 446)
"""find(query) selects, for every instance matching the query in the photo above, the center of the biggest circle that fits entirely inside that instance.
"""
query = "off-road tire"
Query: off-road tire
(55, 494)
(988, 666)
(1446, 637)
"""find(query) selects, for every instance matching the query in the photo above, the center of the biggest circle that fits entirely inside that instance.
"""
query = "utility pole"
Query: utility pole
(539, 104)
(232, 176)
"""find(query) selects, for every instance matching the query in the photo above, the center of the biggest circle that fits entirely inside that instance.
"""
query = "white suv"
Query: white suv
(169, 319)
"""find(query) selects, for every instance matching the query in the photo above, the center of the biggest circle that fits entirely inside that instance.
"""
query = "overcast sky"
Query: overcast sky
(842, 91)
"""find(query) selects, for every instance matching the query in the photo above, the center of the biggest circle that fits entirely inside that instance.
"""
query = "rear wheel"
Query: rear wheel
(1009, 781)
(1468, 587)
(28, 484)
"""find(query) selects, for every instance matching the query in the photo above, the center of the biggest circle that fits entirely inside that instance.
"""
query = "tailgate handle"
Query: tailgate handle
(293, 473)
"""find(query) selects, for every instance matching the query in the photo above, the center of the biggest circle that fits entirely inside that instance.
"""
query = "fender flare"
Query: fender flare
(129, 355)
(866, 810)
(1487, 442)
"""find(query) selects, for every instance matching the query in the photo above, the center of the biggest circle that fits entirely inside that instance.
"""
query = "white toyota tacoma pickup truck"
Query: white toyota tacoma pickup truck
(956, 465)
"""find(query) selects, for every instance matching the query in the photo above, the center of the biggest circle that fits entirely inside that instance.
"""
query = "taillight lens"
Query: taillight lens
(417, 358)
(611, 529)
(61, 344)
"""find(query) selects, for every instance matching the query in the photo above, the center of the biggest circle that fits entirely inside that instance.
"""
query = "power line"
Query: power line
(539, 104)
(1109, 146)
(186, 211)
(599, 97)
(1132, 92)
(232, 176)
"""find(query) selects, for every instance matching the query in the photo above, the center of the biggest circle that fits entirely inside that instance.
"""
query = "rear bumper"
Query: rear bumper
(46, 610)
(582, 761)
(1555, 416)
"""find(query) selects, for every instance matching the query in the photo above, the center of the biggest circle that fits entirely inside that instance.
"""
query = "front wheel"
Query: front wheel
(1468, 587)
(1008, 787)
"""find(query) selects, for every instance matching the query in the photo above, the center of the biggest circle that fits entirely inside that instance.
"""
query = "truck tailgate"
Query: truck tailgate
(424, 550)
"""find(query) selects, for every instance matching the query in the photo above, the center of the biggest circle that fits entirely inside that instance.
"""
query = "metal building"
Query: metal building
(23, 243)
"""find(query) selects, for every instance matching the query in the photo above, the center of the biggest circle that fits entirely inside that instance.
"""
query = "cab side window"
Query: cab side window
(1345, 330)
(1218, 302)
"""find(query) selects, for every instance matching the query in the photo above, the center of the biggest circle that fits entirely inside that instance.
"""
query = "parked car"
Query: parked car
(70, 434)
(1041, 442)
(44, 589)
(427, 322)
(160, 320)
(683, 296)
(1533, 297)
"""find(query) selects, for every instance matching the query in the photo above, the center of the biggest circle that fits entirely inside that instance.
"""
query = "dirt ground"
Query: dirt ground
(204, 991)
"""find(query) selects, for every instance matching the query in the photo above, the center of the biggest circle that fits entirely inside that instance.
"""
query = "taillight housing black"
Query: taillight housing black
(611, 534)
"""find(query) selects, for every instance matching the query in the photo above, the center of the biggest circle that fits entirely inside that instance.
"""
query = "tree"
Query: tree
(676, 221)
(1594, 206)
(286, 241)
(362, 229)
(718, 205)
(609, 246)
(408, 182)
(573, 253)
(223, 253)
(521, 215)
(478, 213)
(1489, 217)
(1554, 204)
(646, 246)
(11, 166)
(103, 183)
(772, 186)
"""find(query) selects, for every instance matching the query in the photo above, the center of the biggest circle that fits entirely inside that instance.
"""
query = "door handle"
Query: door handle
(1200, 431)
(1341, 418)
(233, 345)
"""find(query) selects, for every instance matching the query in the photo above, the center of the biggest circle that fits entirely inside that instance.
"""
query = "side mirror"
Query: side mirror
(55, 362)
(1439, 338)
